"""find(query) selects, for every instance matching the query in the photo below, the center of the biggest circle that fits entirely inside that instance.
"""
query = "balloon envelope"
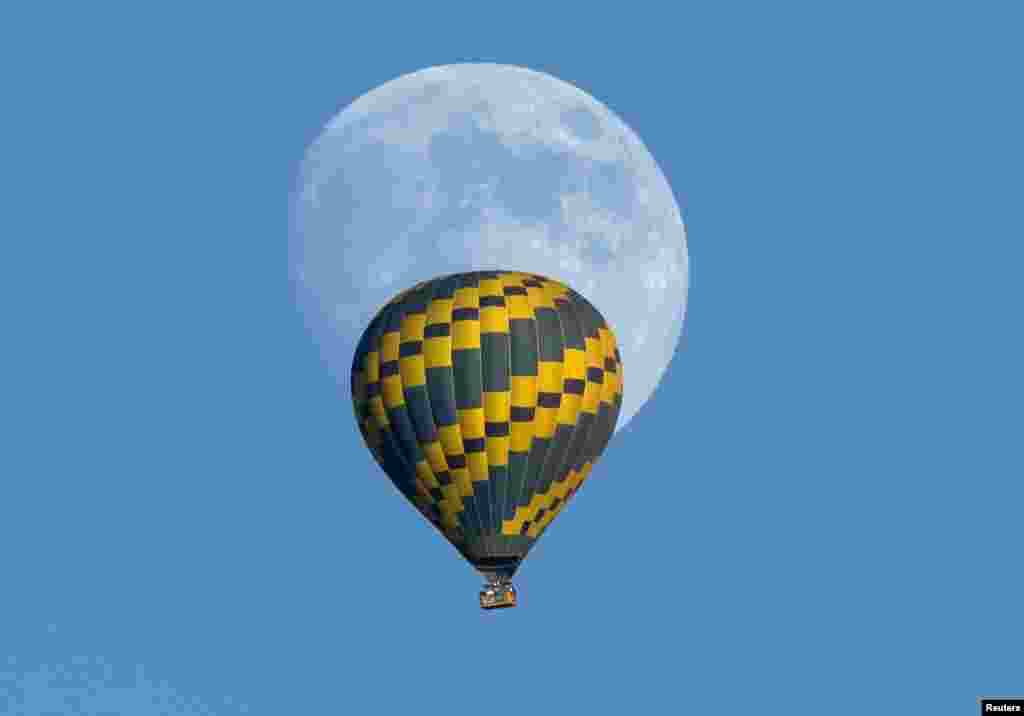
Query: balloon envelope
(487, 397)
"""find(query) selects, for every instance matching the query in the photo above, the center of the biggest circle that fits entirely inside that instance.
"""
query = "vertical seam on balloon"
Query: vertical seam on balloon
(595, 325)
(508, 462)
(405, 309)
(530, 456)
(534, 474)
(466, 281)
(456, 281)
(600, 442)
(550, 451)
(395, 317)
(588, 319)
(500, 517)
(577, 438)
(428, 290)
(486, 468)
(390, 440)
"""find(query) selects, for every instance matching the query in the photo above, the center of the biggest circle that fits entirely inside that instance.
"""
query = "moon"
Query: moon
(483, 166)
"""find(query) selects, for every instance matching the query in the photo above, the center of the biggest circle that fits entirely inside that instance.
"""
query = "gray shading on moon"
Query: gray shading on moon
(480, 166)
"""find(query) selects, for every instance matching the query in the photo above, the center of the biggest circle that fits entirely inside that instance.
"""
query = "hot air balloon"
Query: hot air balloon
(487, 397)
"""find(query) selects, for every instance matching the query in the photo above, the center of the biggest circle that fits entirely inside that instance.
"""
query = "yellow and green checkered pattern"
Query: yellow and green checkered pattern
(487, 397)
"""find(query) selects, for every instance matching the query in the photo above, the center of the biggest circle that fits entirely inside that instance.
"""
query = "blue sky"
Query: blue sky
(833, 460)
